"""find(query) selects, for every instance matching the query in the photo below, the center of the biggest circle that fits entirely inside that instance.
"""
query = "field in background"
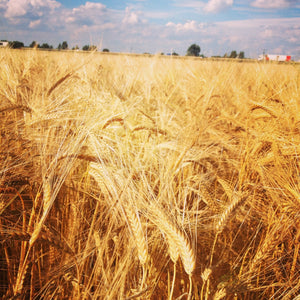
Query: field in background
(148, 178)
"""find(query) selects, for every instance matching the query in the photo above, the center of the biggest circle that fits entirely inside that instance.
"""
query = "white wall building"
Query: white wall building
(3, 44)
(274, 57)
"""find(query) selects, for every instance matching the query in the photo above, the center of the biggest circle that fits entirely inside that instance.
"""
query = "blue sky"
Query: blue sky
(217, 26)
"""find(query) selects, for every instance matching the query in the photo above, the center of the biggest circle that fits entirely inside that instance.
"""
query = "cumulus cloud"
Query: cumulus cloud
(273, 3)
(88, 14)
(17, 8)
(188, 26)
(214, 6)
(131, 17)
(89, 6)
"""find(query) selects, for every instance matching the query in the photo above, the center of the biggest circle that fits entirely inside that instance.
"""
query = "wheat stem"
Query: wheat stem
(173, 281)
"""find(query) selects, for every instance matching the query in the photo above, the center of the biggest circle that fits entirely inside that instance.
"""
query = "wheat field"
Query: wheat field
(132, 177)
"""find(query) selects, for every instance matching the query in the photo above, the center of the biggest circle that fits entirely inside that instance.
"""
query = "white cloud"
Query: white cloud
(51, 4)
(89, 6)
(131, 17)
(192, 26)
(273, 3)
(34, 24)
(214, 6)
(17, 8)
(267, 33)
(89, 14)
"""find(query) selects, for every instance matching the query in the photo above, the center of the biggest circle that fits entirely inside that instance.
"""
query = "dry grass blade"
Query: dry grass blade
(16, 107)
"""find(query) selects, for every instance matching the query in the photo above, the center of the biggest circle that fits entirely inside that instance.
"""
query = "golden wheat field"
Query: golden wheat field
(132, 177)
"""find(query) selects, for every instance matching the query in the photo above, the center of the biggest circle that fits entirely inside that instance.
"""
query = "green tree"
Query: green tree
(193, 50)
(45, 46)
(64, 45)
(59, 47)
(85, 47)
(16, 44)
(241, 55)
(105, 50)
(93, 48)
(33, 44)
(233, 54)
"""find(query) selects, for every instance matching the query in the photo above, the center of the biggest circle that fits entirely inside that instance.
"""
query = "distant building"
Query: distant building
(3, 44)
(274, 57)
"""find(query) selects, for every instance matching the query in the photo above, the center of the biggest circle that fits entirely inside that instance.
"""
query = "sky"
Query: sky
(154, 26)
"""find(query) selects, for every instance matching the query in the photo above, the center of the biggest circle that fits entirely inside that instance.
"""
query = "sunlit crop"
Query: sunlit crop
(134, 177)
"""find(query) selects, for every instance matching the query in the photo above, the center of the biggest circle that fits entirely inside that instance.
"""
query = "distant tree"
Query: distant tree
(75, 48)
(93, 48)
(233, 54)
(16, 44)
(64, 45)
(241, 55)
(89, 48)
(33, 44)
(105, 50)
(174, 54)
(193, 50)
(45, 46)
(59, 47)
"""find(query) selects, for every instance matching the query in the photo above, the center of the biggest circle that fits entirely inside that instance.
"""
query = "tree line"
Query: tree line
(61, 46)
(193, 50)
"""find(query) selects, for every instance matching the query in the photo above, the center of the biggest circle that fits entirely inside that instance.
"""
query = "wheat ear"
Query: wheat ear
(236, 200)
(176, 239)
(205, 278)
(220, 294)
(137, 231)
